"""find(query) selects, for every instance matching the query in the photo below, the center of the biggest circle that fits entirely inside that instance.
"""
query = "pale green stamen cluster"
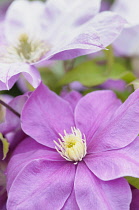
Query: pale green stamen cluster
(26, 49)
(72, 146)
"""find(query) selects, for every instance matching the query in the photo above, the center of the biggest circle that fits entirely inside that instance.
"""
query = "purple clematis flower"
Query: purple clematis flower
(34, 32)
(77, 155)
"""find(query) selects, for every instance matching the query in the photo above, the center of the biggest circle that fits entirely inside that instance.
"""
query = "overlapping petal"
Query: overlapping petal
(58, 9)
(71, 202)
(122, 129)
(88, 38)
(117, 163)
(94, 111)
(92, 193)
(45, 115)
(27, 151)
(10, 74)
(72, 97)
(43, 181)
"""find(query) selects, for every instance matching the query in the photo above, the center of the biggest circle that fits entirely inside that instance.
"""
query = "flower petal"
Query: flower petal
(42, 184)
(114, 164)
(27, 151)
(122, 129)
(90, 37)
(58, 10)
(48, 114)
(92, 193)
(71, 202)
(127, 43)
(127, 9)
(28, 23)
(73, 97)
(93, 110)
(10, 74)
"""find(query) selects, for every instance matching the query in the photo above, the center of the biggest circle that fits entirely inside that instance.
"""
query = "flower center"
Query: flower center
(26, 49)
(72, 146)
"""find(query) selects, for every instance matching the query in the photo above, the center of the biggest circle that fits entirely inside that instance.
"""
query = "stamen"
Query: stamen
(26, 49)
(72, 147)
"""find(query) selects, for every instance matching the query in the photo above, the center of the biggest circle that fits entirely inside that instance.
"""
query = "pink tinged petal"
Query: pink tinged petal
(122, 129)
(94, 110)
(135, 200)
(10, 74)
(28, 150)
(73, 97)
(58, 10)
(62, 20)
(42, 184)
(71, 202)
(109, 26)
(29, 23)
(49, 116)
(81, 41)
(92, 193)
(127, 9)
(127, 44)
(114, 164)
(90, 37)
(12, 122)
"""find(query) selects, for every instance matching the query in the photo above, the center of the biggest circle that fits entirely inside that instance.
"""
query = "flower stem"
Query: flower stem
(10, 108)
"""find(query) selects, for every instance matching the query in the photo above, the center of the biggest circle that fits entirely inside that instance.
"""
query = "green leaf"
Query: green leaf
(88, 73)
(133, 181)
(5, 144)
(50, 79)
(92, 74)
(120, 71)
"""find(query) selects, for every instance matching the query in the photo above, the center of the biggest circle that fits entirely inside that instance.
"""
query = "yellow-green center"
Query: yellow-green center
(72, 146)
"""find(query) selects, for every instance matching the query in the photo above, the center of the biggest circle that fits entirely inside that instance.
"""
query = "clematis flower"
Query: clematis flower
(76, 156)
(34, 32)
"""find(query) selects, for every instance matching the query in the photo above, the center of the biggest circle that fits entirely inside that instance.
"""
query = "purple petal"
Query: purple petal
(10, 74)
(11, 127)
(42, 184)
(73, 97)
(93, 110)
(27, 151)
(71, 202)
(122, 129)
(135, 200)
(48, 114)
(114, 164)
(92, 193)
